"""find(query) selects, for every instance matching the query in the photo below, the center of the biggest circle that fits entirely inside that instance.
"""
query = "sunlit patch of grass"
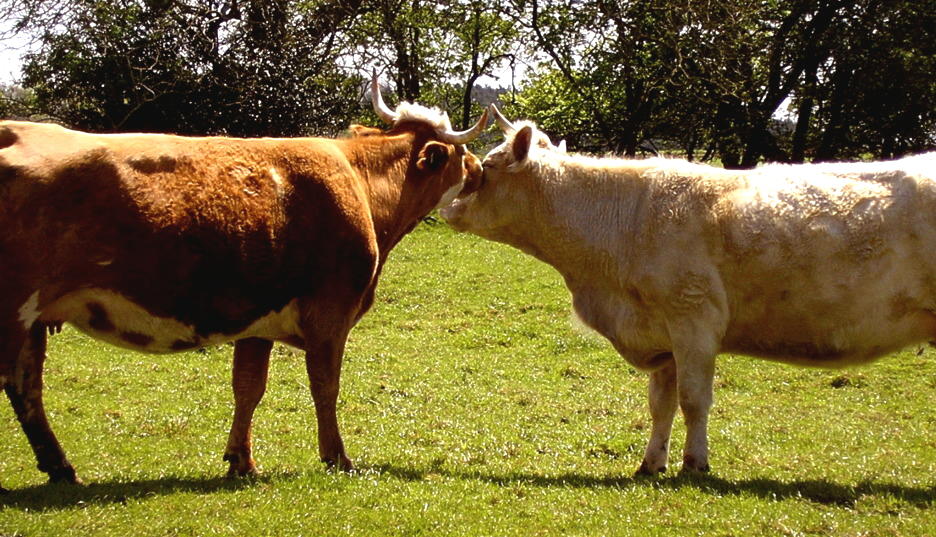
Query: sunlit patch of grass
(472, 405)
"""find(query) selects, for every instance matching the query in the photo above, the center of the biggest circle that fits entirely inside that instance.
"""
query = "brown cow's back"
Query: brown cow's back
(211, 233)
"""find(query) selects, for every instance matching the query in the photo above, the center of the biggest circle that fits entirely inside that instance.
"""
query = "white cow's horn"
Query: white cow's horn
(463, 137)
(502, 122)
(379, 106)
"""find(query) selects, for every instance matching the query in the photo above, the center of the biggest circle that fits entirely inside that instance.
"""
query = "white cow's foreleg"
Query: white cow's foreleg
(695, 344)
(662, 394)
(698, 322)
(695, 371)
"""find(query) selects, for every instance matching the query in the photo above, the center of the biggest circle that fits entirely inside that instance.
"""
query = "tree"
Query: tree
(876, 94)
(15, 102)
(486, 41)
(630, 74)
(435, 60)
(603, 57)
(217, 66)
(707, 78)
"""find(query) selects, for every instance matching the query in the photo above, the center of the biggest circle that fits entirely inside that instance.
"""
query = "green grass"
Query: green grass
(473, 405)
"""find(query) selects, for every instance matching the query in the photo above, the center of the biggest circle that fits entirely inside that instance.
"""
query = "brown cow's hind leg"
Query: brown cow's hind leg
(251, 364)
(12, 339)
(24, 389)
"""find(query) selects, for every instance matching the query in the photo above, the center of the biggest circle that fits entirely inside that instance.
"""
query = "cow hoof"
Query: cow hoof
(240, 467)
(64, 475)
(343, 463)
(647, 471)
(691, 465)
(235, 473)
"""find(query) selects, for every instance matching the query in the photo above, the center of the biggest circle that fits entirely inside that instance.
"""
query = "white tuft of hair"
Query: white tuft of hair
(436, 118)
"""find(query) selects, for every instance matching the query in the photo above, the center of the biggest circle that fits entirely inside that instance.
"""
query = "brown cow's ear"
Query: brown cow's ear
(361, 130)
(521, 143)
(432, 157)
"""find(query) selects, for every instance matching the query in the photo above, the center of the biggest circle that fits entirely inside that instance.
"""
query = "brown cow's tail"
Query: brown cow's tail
(7, 136)
(7, 139)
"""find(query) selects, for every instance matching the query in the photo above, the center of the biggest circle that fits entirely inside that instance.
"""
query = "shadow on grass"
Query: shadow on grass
(56, 496)
(818, 491)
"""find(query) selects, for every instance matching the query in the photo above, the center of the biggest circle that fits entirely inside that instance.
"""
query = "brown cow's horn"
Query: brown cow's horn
(502, 122)
(463, 137)
(379, 106)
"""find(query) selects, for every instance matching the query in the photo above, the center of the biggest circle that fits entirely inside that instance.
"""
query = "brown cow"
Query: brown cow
(164, 243)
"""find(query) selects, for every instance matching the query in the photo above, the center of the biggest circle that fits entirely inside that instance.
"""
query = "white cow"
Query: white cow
(822, 265)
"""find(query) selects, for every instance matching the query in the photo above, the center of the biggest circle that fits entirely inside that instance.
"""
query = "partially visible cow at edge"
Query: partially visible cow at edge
(820, 265)
(162, 243)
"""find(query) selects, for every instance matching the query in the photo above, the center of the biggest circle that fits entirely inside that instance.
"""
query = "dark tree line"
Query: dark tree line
(208, 66)
(738, 80)
(711, 78)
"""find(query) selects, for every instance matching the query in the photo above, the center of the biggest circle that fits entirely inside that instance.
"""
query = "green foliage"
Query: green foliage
(559, 110)
(472, 405)
(880, 98)
(15, 102)
(632, 74)
(732, 80)
(194, 67)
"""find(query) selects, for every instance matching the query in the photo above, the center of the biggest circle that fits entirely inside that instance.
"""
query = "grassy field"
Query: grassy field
(473, 405)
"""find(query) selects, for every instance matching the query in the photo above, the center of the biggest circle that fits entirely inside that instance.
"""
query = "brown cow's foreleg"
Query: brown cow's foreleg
(325, 320)
(323, 364)
(24, 390)
(662, 395)
(251, 364)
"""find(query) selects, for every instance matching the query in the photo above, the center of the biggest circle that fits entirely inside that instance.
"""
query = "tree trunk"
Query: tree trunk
(835, 131)
(804, 116)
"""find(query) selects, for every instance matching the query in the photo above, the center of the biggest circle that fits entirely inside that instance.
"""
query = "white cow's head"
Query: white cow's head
(505, 193)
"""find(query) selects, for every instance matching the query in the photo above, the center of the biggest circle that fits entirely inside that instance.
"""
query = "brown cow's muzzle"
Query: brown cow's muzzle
(474, 174)
(474, 180)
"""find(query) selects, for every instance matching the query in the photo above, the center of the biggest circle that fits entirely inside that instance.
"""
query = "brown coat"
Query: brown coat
(163, 243)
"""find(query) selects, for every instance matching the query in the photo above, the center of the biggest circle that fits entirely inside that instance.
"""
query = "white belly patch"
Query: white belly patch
(29, 312)
(111, 317)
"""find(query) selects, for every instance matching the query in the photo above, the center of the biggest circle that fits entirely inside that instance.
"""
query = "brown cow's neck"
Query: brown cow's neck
(384, 162)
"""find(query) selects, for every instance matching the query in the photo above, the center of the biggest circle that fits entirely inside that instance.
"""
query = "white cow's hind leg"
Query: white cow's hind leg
(662, 395)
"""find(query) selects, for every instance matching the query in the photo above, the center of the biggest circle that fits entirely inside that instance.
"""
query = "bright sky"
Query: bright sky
(11, 52)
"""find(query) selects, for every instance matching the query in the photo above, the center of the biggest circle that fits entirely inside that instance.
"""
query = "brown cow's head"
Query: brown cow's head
(441, 161)
(511, 175)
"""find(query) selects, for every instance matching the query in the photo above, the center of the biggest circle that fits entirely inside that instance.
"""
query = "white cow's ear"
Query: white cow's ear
(561, 147)
(520, 146)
